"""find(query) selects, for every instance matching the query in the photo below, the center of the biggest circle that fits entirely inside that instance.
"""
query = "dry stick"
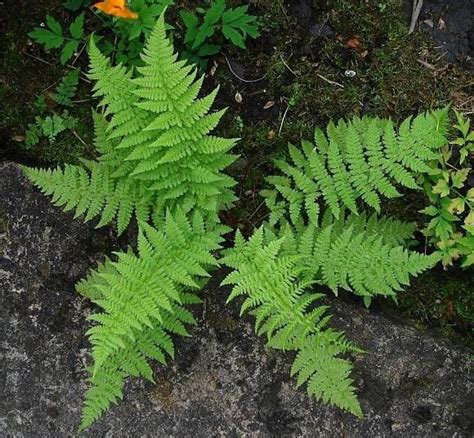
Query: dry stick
(89, 148)
(242, 79)
(426, 64)
(417, 5)
(255, 212)
(337, 84)
(79, 54)
(283, 119)
(286, 65)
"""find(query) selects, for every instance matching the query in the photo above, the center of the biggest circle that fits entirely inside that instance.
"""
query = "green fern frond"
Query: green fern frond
(291, 319)
(317, 364)
(155, 144)
(356, 254)
(142, 299)
(359, 160)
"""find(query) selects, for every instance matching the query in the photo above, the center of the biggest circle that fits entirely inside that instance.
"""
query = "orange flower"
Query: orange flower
(116, 8)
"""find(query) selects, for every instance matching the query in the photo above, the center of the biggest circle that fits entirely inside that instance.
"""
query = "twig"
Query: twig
(82, 100)
(426, 64)
(242, 79)
(49, 87)
(78, 54)
(256, 210)
(81, 140)
(337, 84)
(286, 65)
(417, 5)
(283, 10)
(283, 119)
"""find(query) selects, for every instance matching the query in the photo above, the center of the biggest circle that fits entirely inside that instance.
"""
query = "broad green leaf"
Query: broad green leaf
(430, 211)
(202, 34)
(208, 50)
(54, 25)
(77, 27)
(441, 188)
(214, 12)
(234, 36)
(68, 51)
(459, 177)
(49, 39)
(456, 206)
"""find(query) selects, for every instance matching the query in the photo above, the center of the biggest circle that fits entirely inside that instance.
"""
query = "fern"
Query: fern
(363, 159)
(355, 255)
(158, 162)
(156, 151)
(270, 280)
(143, 301)
(67, 88)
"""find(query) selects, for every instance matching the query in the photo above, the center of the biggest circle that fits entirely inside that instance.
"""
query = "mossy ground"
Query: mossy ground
(314, 62)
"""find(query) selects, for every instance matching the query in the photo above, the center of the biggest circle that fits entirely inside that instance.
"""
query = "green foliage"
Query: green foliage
(156, 150)
(274, 271)
(273, 284)
(142, 299)
(48, 127)
(235, 24)
(67, 88)
(53, 36)
(128, 37)
(124, 39)
(362, 159)
(451, 200)
(75, 5)
(356, 255)
(157, 161)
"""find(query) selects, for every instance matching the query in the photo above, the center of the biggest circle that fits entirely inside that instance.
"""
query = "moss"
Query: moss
(444, 299)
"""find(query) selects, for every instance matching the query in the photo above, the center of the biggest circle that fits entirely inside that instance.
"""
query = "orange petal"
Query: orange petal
(116, 8)
(125, 13)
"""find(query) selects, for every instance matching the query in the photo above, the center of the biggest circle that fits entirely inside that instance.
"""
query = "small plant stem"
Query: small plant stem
(286, 65)
(283, 119)
(337, 84)
(242, 79)
(79, 54)
(53, 65)
(88, 147)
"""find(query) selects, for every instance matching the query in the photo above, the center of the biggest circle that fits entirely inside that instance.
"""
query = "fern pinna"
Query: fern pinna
(285, 312)
(155, 148)
(143, 299)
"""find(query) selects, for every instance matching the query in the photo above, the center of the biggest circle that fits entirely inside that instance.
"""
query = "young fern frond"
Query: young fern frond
(142, 299)
(354, 256)
(155, 144)
(362, 159)
(271, 283)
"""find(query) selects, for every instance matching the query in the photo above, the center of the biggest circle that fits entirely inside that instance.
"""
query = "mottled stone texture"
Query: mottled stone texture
(224, 382)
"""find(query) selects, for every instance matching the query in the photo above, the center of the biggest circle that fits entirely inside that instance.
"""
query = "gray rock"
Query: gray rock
(223, 382)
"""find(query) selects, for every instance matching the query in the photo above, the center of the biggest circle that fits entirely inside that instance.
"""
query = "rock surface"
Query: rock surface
(223, 381)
